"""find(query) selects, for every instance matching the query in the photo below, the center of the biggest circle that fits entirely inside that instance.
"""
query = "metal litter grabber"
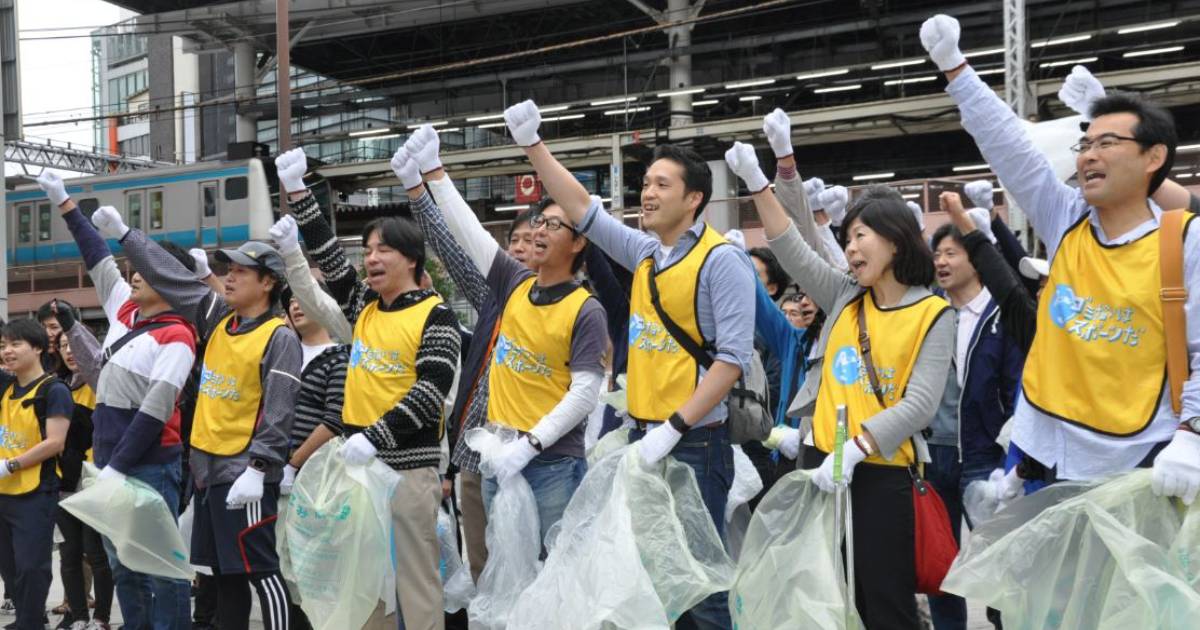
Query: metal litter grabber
(843, 514)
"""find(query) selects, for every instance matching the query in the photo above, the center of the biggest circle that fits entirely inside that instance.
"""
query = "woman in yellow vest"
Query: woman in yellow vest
(79, 539)
(35, 413)
(911, 341)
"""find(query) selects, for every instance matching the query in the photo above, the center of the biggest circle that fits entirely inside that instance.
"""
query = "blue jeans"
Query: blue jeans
(553, 477)
(147, 601)
(950, 478)
(710, 455)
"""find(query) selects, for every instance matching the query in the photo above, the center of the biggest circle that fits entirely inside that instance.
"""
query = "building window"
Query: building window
(138, 146)
(44, 222)
(24, 224)
(156, 210)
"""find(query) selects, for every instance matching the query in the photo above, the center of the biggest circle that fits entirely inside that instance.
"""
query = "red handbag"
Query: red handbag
(933, 538)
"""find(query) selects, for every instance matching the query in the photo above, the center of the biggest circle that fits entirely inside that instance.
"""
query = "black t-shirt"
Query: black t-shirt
(1194, 204)
(58, 398)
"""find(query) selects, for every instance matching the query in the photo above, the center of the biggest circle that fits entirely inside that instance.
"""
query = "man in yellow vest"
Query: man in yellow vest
(548, 355)
(32, 434)
(1095, 399)
(244, 408)
(703, 284)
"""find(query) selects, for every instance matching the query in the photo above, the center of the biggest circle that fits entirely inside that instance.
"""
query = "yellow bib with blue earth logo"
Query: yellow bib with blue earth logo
(20, 430)
(661, 374)
(227, 404)
(1099, 357)
(531, 369)
(897, 335)
(383, 359)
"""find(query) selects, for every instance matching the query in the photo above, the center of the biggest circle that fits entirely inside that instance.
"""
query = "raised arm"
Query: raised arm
(316, 303)
(770, 323)
(816, 277)
(1023, 170)
(84, 347)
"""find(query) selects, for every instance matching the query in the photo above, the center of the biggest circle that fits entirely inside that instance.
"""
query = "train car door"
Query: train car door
(210, 222)
(45, 235)
(23, 245)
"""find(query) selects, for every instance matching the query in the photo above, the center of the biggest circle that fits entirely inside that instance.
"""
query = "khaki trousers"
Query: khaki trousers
(474, 521)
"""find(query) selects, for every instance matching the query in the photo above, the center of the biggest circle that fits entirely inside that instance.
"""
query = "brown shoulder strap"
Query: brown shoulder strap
(864, 348)
(1174, 294)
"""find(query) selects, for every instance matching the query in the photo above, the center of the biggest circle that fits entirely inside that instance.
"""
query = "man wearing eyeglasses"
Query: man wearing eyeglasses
(547, 356)
(1094, 399)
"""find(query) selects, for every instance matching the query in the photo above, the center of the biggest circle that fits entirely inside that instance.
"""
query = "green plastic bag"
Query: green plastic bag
(789, 574)
(136, 519)
(334, 539)
(1109, 556)
(636, 549)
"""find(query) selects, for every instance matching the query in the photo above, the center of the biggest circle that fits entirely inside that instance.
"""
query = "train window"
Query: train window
(209, 194)
(44, 222)
(88, 206)
(133, 207)
(236, 188)
(156, 210)
(24, 224)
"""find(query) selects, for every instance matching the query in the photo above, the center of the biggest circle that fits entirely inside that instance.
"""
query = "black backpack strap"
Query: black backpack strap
(685, 340)
(38, 402)
(133, 333)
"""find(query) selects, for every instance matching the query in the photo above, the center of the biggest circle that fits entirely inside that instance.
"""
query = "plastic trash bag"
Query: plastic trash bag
(513, 539)
(136, 519)
(613, 441)
(747, 483)
(636, 549)
(1112, 556)
(790, 574)
(334, 539)
(456, 576)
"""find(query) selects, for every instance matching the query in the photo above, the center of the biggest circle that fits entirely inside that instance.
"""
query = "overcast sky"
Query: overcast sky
(56, 74)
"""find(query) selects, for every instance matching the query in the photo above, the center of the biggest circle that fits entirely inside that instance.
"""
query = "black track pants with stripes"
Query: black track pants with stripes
(233, 602)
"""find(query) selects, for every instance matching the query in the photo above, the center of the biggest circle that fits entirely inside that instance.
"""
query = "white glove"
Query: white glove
(778, 128)
(358, 450)
(108, 472)
(289, 479)
(1080, 90)
(939, 36)
(512, 458)
(406, 169)
(1006, 486)
(523, 121)
(834, 200)
(851, 456)
(983, 222)
(201, 258)
(744, 163)
(918, 214)
(423, 146)
(4, 472)
(1177, 468)
(286, 235)
(813, 189)
(109, 223)
(737, 238)
(657, 443)
(247, 488)
(789, 442)
(291, 167)
(52, 184)
(980, 193)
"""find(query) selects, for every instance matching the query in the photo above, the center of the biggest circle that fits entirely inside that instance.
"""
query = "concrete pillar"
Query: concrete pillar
(722, 211)
(681, 65)
(244, 83)
(616, 187)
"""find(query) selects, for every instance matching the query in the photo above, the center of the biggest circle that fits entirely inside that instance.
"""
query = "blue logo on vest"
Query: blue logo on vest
(846, 365)
(520, 360)
(1065, 305)
(636, 325)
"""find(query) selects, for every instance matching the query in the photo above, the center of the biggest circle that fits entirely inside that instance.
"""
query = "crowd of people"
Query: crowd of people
(215, 392)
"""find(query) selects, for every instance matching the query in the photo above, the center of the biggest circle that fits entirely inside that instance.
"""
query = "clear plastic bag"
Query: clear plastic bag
(636, 549)
(747, 483)
(334, 539)
(512, 537)
(790, 572)
(136, 519)
(456, 576)
(1109, 556)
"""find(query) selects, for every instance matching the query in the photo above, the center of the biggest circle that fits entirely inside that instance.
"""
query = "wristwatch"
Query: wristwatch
(259, 464)
(679, 423)
(1191, 424)
(534, 442)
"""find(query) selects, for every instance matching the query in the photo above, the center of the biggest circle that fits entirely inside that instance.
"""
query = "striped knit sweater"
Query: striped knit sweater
(321, 394)
(408, 435)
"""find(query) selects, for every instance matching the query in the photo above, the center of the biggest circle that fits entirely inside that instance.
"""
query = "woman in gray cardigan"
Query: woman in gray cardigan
(890, 383)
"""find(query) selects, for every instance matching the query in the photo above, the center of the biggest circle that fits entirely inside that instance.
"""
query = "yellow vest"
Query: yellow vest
(20, 430)
(1099, 357)
(383, 359)
(227, 405)
(532, 357)
(662, 375)
(896, 338)
(85, 396)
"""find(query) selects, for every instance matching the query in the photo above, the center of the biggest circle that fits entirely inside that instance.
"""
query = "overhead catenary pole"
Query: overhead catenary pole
(3, 212)
(283, 87)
